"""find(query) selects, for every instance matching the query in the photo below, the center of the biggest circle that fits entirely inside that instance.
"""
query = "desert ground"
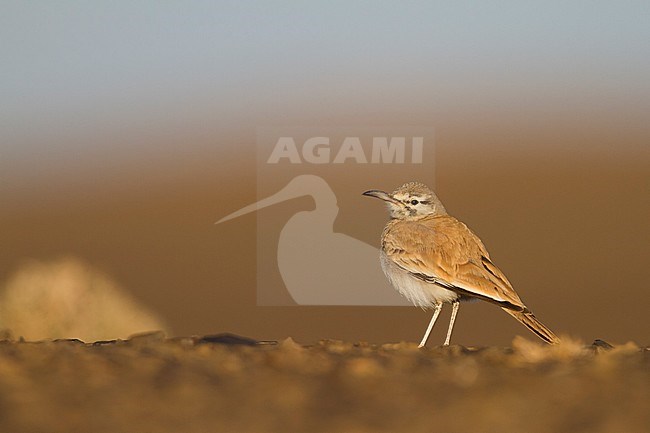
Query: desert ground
(228, 383)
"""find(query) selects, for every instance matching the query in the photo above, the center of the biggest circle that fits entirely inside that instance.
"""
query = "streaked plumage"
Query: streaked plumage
(431, 258)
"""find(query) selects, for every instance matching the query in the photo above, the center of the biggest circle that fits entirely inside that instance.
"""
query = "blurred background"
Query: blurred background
(127, 129)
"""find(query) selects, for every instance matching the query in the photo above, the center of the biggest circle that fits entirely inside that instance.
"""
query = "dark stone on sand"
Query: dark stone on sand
(232, 340)
(601, 344)
(68, 341)
(107, 342)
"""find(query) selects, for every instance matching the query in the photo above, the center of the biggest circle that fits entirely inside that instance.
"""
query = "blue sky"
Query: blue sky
(71, 68)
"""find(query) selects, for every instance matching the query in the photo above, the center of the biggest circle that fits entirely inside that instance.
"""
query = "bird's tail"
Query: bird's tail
(529, 320)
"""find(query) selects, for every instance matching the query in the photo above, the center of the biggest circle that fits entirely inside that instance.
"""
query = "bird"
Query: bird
(318, 265)
(431, 258)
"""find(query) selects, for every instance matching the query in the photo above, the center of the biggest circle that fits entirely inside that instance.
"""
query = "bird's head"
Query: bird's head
(410, 201)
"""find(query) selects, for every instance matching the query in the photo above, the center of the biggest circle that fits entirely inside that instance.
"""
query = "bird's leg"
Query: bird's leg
(436, 312)
(454, 311)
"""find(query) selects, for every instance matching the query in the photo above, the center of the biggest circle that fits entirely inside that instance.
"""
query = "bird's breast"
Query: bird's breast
(420, 293)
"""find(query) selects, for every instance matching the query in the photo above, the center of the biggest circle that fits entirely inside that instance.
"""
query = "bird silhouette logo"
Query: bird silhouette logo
(319, 266)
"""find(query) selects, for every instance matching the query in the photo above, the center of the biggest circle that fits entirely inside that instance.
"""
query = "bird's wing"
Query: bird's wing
(444, 251)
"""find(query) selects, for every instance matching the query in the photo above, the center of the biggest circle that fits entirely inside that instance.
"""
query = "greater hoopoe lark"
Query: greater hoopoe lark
(431, 258)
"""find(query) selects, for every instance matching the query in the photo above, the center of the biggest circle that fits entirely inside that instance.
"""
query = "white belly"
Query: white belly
(422, 294)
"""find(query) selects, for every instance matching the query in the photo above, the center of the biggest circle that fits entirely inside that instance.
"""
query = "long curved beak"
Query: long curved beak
(280, 196)
(381, 195)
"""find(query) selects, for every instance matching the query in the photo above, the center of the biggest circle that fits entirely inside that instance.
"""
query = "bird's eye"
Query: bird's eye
(414, 202)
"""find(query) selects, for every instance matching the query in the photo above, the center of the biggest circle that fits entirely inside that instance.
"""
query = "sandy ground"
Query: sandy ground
(150, 383)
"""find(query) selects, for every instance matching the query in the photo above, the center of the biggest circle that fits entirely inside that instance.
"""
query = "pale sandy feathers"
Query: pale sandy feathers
(442, 250)
(420, 293)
